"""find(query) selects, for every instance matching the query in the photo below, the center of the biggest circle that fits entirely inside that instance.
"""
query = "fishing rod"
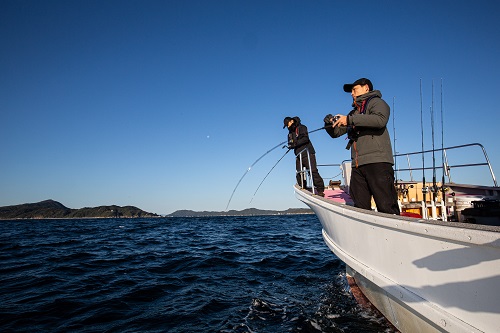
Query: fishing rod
(394, 137)
(424, 188)
(433, 150)
(257, 160)
(317, 129)
(269, 173)
(250, 167)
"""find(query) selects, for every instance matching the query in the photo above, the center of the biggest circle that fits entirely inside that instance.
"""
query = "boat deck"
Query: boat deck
(338, 195)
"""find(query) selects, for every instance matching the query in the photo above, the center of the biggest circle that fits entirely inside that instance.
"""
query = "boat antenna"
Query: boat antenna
(257, 160)
(269, 173)
(424, 189)
(433, 147)
(394, 137)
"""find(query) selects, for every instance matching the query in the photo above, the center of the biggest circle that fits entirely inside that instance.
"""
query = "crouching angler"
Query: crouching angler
(298, 140)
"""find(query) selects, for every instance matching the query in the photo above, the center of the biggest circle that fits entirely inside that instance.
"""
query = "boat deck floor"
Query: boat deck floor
(338, 195)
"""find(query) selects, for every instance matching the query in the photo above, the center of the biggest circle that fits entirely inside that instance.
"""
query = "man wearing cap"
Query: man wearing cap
(298, 140)
(370, 145)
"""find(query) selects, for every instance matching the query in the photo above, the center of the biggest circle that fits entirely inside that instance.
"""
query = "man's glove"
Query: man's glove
(328, 119)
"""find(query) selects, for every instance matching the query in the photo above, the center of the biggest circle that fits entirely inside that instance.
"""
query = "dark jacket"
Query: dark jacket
(298, 137)
(367, 131)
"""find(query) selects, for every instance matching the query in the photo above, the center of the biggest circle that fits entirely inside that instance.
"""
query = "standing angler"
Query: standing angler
(370, 145)
(298, 139)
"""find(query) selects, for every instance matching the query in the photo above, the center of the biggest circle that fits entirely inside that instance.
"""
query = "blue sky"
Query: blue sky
(164, 105)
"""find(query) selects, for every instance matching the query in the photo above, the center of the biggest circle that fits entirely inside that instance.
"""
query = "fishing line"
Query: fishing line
(333, 176)
(251, 166)
(269, 173)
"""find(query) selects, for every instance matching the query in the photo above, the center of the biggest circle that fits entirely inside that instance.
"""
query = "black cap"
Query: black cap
(286, 120)
(362, 82)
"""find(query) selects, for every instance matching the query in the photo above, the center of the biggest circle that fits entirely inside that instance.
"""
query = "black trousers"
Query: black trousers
(377, 180)
(317, 180)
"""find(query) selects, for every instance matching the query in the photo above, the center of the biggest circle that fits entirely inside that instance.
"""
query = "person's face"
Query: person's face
(359, 90)
(290, 123)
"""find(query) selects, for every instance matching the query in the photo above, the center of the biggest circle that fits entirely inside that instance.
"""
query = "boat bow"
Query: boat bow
(423, 275)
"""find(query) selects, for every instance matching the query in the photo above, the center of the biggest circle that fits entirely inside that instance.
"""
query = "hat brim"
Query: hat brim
(348, 87)
(286, 121)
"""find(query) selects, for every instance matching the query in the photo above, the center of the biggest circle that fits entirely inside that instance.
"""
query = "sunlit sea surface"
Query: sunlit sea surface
(217, 274)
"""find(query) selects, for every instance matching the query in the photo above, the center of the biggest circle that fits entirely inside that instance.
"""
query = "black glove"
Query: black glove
(328, 119)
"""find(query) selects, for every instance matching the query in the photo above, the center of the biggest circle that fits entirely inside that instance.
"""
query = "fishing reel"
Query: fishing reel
(330, 120)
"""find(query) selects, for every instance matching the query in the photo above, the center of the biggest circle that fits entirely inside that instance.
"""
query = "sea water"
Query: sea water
(215, 274)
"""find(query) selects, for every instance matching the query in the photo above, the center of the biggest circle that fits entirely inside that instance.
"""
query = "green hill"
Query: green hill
(54, 209)
(245, 212)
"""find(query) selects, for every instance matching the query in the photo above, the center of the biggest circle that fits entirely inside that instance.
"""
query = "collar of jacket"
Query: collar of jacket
(373, 93)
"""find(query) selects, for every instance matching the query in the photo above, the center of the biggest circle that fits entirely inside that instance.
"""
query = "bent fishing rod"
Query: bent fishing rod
(257, 160)
(269, 173)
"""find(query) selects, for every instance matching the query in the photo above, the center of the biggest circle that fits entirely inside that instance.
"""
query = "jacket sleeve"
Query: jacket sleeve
(336, 131)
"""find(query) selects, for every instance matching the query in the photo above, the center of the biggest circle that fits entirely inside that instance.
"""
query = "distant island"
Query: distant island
(245, 212)
(50, 209)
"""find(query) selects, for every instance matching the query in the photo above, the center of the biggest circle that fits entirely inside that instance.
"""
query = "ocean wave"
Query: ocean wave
(243, 274)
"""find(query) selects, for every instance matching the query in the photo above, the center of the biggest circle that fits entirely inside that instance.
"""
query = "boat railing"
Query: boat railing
(344, 173)
(305, 174)
(446, 167)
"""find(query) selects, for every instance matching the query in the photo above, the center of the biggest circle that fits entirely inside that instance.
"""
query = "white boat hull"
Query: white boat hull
(424, 276)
